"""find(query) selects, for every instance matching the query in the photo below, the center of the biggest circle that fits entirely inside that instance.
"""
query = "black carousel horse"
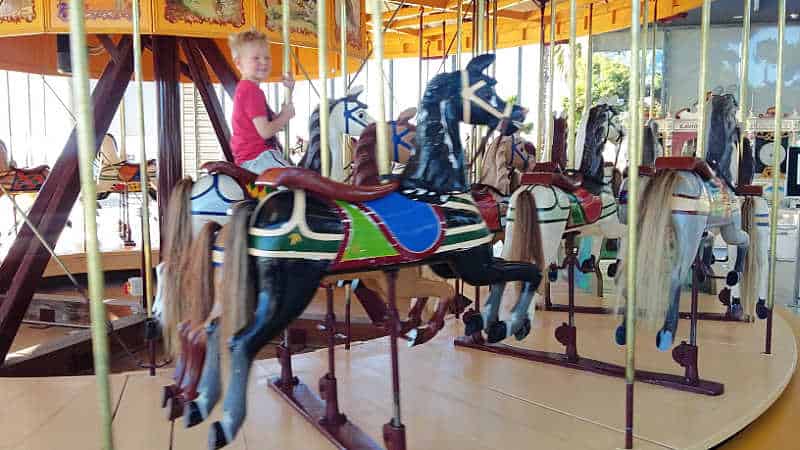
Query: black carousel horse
(312, 227)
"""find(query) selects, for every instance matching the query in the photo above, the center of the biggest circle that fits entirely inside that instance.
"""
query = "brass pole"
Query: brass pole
(701, 91)
(346, 156)
(645, 36)
(540, 105)
(86, 151)
(459, 33)
(745, 75)
(634, 154)
(653, 112)
(419, 50)
(384, 159)
(480, 23)
(547, 154)
(773, 218)
(573, 73)
(589, 51)
(322, 49)
(147, 251)
(123, 131)
(287, 69)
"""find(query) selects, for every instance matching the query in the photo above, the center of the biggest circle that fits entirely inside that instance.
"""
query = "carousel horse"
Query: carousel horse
(124, 177)
(208, 200)
(354, 113)
(314, 227)
(685, 199)
(402, 145)
(559, 204)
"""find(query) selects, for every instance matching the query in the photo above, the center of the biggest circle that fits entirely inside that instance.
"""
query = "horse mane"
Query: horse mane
(722, 136)
(652, 147)
(365, 167)
(560, 142)
(312, 158)
(495, 169)
(591, 164)
(198, 280)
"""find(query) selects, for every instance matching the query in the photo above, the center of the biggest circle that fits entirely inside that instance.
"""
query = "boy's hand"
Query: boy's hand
(288, 81)
(288, 110)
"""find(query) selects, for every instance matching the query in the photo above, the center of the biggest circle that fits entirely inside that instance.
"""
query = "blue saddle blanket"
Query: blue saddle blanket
(414, 225)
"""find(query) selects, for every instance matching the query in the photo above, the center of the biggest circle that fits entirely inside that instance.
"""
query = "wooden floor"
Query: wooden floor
(452, 398)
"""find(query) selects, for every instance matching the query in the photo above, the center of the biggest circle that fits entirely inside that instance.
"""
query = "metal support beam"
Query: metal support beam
(225, 73)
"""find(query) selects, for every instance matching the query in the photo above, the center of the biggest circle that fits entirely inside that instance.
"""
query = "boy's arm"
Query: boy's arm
(269, 128)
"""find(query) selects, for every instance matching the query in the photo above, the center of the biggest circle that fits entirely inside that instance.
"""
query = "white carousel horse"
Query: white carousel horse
(683, 201)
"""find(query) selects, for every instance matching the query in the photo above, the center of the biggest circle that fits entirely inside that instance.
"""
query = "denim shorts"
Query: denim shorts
(266, 160)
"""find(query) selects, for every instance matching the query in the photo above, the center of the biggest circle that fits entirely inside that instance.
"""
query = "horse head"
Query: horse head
(722, 136)
(591, 142)
(468, 96)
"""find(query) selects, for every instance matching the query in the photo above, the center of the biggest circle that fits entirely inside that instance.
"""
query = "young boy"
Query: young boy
(254, 143)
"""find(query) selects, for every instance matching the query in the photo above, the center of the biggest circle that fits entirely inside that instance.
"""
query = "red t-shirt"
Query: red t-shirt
(249, 102)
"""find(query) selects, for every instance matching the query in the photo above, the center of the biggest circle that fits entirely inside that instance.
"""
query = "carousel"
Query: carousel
(474, 272)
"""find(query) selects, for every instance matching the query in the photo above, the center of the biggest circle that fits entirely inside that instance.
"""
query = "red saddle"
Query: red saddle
(644, 171)
(43, 170)
(242, 176)
(750, 190)
(592, 205)
(554, 179)
(688, 163)
(549, 166)
(308, 180)
(488, 206)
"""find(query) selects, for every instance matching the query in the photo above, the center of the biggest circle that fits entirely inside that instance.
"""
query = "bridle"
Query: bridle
(468, 96)
(349, 114)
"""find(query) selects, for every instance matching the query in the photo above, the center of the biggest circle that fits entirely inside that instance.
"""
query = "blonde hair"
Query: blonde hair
(238, 40)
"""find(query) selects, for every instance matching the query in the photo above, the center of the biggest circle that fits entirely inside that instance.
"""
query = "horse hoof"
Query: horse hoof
(167, 392)
(552, 275)
(736, 311)
(496, 332)
(619, 335)
(732, 279)
(761, 309)
(612, 270)
(524, 330)
(216, 437)
(192, 415)
(473, 323)
(664, 340)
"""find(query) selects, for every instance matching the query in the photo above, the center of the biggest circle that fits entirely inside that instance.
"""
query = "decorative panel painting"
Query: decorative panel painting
(205, 18)
(302, 21)
(356, 27)
(21, 17)
(102, 16)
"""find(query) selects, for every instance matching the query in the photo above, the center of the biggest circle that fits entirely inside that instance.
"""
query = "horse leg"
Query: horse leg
(688, 234)
(180, 367)
(733, 235)
(285, 288)
(477, 266)
(210, 383)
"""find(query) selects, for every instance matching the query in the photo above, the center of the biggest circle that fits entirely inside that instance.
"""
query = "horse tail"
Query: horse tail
(752, 271)
(237, 284)
(199, 276)
(178, 239)
(524, 243)
(654, 262)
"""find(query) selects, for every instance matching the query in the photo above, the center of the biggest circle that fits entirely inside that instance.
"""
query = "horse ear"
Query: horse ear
(355, 91)
(481, 62)
(407, 115)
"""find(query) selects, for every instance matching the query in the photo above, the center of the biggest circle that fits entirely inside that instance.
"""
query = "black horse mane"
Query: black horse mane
(723, 136)
(592, 159)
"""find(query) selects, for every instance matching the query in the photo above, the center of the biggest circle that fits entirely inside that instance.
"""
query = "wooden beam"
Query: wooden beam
(166, 60)
(22, 268)
(441, 4)
(206, 89)
(225, 73)
(148, 44)
(110, 47)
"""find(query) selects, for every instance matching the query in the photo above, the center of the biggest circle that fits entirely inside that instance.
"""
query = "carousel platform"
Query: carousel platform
(461, 398)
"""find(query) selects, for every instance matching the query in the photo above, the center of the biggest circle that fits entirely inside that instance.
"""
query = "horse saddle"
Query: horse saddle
(590, 206)
(554, 179)
(308, 180)
(687, 163)
(749, 190)
(644, 171)
(242, 176)
(487, 205)
(39, 170)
